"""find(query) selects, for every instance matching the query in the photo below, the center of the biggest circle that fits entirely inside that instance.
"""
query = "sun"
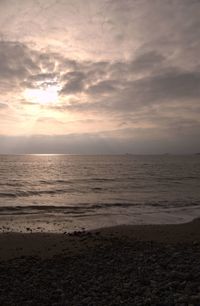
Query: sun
(43, 95)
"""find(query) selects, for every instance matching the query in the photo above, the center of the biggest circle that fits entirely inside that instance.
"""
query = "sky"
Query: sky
(100, 76)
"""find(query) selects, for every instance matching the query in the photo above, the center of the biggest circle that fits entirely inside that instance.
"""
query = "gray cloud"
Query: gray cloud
(102, 87)
(15, 60)
(166, 87)
(74, 82)
(171, 85)
(42, 77)
(3, 105)
(147, 61)
(21, 65)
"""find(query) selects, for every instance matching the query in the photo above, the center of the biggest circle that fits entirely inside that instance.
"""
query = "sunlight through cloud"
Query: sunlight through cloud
(43, 95)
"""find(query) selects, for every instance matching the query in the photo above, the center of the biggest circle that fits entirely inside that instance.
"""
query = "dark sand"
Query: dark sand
(124, 265)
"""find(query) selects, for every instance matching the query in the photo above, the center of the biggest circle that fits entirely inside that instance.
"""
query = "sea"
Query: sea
(62, 193)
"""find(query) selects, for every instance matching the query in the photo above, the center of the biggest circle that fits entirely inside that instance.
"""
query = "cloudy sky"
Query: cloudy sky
(99, 76)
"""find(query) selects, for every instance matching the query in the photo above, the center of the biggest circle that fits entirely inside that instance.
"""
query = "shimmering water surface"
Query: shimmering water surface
(100, 190)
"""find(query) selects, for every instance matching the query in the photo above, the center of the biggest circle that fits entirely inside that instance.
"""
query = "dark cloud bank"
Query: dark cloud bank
(98, 144)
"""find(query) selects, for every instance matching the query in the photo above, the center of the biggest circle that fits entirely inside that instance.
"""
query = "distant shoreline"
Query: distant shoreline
(102, 154)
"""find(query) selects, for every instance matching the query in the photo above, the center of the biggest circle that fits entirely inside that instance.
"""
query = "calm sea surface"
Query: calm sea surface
(105, 190)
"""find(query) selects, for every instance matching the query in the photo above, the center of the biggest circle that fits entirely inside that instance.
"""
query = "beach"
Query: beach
(122, 265)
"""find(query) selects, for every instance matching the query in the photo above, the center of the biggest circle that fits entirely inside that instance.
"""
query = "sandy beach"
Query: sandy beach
(123, 265)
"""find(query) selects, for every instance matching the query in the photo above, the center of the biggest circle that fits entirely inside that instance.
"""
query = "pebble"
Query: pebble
(115, 272)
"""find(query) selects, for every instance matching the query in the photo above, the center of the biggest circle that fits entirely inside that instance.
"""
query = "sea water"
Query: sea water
(75, 191)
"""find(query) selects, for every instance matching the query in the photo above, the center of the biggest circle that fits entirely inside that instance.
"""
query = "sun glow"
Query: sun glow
(43, 95)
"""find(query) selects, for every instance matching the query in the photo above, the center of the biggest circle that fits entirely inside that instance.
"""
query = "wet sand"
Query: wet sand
(123, 265)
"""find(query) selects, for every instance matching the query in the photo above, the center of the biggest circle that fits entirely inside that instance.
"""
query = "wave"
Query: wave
(51, 209)
(84, 208)
(34, 193)
(69, 190)
(40, 209)
(54, 208)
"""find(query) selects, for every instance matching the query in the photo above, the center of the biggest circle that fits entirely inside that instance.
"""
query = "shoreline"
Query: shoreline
(60, 223)
(46, 245)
